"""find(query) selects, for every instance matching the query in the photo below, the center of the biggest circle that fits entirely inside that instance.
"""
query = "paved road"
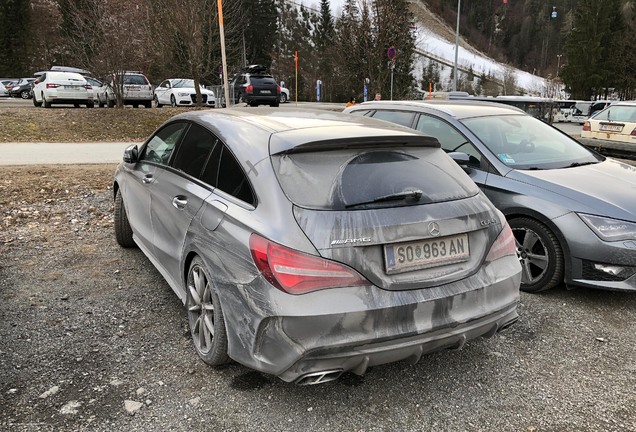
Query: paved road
(61, 153)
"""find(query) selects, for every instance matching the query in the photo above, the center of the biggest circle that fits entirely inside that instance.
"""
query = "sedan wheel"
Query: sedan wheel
(205, 316)
(25, 94)
(123, 231)
(539, 253)
(283, 97)
(173, 101)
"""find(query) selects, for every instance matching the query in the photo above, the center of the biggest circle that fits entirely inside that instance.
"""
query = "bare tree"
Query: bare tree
(186, 32)
(107, 37)
(509, 81)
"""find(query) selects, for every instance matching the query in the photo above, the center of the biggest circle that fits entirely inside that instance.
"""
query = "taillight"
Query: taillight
(52, 85)
(587, 127)
(88, 87)
(278, 89)
(296, 272)
(504, 245)
(249, 89)
(633, 132)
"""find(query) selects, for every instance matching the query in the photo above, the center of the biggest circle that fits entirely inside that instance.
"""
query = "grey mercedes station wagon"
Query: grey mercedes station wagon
(305, 244)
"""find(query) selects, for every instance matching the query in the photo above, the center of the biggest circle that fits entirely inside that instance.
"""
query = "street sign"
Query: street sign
(391, 53)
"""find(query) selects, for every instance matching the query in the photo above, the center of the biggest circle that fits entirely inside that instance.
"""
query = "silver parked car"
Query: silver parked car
(308, 243)
(572, 210)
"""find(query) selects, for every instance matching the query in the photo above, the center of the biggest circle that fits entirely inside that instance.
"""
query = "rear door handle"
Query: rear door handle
(179, 202)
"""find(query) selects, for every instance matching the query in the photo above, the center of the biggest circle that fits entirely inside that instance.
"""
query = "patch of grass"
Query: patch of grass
(81, 124)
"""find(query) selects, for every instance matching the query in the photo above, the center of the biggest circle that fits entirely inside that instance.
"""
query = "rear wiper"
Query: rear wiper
(578, 164)
(414, 194)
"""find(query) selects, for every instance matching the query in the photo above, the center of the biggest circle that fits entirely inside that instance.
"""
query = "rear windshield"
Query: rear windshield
(371, 178)
(135, 79)
(262, 80)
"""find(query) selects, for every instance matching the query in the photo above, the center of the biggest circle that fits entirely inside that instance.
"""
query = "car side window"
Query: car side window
(230, 177)
(403, 118)
(160, 146)
(223, 172)
(194, 150)
(450, 138)
(361, 112)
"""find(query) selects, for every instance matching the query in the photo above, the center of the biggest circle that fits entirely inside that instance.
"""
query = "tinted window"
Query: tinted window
(231, 178)
(400, 117)
(135, 79)
(160, 146)
(340, 179)
(194, 150)
(261, 80)
(449, 137)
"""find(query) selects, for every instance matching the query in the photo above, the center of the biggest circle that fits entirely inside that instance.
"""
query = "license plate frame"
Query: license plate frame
(426, 253)
(604, 127)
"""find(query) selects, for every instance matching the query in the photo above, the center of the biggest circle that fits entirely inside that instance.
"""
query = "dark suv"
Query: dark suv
(255, 86)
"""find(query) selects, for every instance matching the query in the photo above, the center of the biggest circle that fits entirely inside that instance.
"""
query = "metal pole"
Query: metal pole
(392, 67)
(224, 60)
(558, 64)
(459, 6)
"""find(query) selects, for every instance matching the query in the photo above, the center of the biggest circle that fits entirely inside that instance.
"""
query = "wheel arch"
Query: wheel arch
(518, 212)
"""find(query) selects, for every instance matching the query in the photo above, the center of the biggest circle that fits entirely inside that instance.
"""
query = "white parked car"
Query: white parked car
(62, 88)
(617, 122)
(136, 90)
(97, 88)
(284, 94)
(181, 92)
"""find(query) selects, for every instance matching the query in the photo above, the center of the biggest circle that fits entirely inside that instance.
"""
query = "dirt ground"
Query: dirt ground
(93, 339)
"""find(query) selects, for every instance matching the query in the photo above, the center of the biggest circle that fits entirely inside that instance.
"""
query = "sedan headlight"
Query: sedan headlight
(182, 94)
(609, 229)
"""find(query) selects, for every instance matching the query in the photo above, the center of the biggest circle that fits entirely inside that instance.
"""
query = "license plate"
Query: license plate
(71, 87)
(400, 257)
(266, 92)
(611, 128)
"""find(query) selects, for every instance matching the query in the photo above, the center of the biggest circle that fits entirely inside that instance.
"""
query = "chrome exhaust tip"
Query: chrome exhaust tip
(319, 377)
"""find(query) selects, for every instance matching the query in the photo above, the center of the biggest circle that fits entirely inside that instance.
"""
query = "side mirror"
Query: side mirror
(460, 158)
(131, 154)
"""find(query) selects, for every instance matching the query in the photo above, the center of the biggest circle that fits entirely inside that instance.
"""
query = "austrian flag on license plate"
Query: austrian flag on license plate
(427, 253)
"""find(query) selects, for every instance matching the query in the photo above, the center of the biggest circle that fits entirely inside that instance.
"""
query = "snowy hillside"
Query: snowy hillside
(436, 38)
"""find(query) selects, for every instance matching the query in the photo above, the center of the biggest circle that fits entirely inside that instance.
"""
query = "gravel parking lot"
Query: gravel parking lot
(92, 338)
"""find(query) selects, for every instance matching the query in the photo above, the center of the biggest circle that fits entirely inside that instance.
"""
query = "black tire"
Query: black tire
(275, 105)
(240, 98)
(100, 103)
(157, 104)
(110, 103)
(173, 101)
(540, 254)
(135, 105)
(90, 105)
(46, 103)
(283, 97)
(123, 231)
(76, 105)
(36, 103)
(205, 316)
(148, 104)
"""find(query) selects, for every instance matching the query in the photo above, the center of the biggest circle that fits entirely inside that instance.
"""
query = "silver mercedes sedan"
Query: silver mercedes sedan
(305, 244)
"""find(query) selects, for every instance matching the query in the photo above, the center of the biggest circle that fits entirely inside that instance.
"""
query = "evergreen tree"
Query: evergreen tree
(15, 16)
(260, 31)
(590, 48)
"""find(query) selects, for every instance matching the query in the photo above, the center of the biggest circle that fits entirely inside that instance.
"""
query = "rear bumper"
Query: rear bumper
(259, 99)
(351, 329)
(357, 358)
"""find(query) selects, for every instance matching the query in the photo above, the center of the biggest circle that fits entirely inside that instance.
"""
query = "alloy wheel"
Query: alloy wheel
(533, 255)
(200, 309)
